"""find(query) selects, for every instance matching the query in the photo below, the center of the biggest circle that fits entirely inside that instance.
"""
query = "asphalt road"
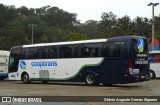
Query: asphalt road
(17, 88)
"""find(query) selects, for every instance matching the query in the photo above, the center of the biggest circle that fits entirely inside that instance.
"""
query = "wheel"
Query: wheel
(152, 74)
(25, 78)
(90, 80)
(44, 82)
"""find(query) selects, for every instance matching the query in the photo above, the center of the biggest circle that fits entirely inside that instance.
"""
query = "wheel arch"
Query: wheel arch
(154, 74)
(89, 72)
(23, 74)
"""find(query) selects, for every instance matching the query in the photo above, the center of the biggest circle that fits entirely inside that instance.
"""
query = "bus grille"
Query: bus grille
(43, 74)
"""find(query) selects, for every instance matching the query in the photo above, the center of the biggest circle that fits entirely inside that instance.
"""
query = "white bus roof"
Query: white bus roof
(66, 43)
(156, 51)
(3, 52)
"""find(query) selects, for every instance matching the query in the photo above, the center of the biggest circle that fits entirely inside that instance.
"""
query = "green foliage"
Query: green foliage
(43, 39)
(53, 25)
(75, 37)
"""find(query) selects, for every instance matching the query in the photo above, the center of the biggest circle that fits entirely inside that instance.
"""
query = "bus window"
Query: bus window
(52, 52)
(86, 51)
(65, 52)
(14, 59)
(30, 53)
(152, 58)
(41, 53)
(76, 52)
(115, 49)
(92, 50)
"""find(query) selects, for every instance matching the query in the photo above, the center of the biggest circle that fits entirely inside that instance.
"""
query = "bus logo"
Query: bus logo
(140, 44)
(23, 65)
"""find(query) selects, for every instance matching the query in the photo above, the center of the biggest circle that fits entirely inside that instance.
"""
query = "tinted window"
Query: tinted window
(41, 53)
(14, 59)
(76, 52)
(92, 50)
(30, 53)
(154, 58)
(65, 52)
(52, 52)
(115, 49)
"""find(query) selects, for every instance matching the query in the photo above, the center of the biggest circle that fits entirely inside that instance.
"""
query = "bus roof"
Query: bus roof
(81, 41)
(153, 52)
(66, 43)
(3, 52)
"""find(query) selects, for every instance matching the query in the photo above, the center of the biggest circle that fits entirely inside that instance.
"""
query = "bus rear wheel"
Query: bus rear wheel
(90, 80)
(25, 78)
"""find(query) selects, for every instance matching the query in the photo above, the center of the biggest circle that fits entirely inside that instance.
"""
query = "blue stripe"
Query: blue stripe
(4, 75)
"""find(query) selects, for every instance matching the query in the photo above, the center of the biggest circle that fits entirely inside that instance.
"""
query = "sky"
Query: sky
(93, 9)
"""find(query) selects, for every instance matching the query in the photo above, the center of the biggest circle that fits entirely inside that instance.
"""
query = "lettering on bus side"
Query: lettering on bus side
(44, 63)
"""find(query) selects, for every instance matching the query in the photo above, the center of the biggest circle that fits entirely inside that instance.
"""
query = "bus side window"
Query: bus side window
(152, 58)
(41, 53)
(77, 52)
(52, 52)
(115, 49)
(65, 52)
(11, 60)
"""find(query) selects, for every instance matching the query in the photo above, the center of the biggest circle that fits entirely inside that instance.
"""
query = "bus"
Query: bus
(4, 58)
(154, 59)
(117, 60)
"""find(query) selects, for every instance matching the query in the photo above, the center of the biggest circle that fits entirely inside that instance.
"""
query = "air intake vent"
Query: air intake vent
(43, 74)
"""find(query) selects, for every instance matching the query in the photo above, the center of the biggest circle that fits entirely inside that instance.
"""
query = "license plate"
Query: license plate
(142, 76)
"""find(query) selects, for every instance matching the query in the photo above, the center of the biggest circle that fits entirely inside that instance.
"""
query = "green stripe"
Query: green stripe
(87, 65)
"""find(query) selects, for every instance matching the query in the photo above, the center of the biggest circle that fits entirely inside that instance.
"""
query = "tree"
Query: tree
(75, 37)
(123, 26)
(107, 25)
(43, 39)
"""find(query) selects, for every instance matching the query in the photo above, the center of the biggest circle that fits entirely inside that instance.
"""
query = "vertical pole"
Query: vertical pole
(32, 33)
(152, 27)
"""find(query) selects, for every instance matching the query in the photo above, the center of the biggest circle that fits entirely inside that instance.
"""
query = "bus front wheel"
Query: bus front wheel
(25, 78)
(152, 74)
(90, 80)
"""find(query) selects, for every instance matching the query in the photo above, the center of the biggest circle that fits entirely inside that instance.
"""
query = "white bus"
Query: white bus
(154, 59)
(115, 60)
(4, 58)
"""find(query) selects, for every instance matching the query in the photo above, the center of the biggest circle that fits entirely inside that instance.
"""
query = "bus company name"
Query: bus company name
(44, 63)
(142, 55)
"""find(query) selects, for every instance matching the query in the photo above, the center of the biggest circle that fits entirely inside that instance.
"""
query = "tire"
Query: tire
(44, 82)
(152, 74)
(25, 78)
(90, 80)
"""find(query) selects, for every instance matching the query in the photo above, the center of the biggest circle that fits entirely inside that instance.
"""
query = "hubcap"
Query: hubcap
(25, 78)
(151, 75)
(90, 79)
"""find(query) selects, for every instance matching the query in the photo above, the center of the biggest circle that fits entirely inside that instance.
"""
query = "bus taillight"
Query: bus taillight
(130, 64)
